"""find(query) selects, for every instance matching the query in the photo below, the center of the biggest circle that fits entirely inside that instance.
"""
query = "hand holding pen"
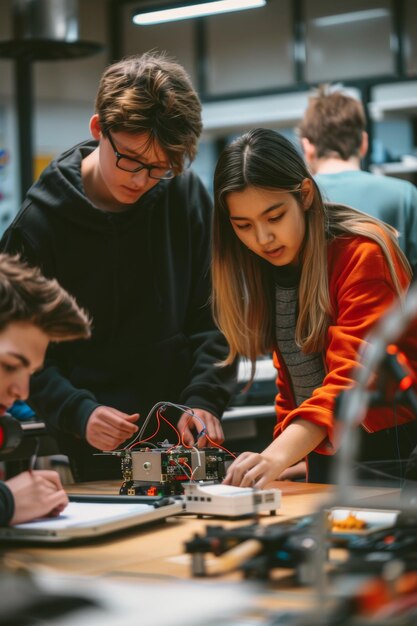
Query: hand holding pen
(34, 456)
(37, 493)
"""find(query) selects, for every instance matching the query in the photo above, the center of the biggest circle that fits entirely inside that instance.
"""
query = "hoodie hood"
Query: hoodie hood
(60, 190)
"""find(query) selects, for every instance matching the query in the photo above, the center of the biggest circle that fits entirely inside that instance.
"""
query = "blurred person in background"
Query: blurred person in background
(334, 140)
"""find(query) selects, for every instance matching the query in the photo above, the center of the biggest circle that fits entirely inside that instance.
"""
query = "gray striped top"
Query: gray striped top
(306, 370)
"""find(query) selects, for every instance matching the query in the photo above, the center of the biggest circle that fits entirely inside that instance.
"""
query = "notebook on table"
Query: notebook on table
(86, 518)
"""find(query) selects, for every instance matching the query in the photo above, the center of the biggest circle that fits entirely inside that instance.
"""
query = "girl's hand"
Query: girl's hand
(297, 471)
(251, 469)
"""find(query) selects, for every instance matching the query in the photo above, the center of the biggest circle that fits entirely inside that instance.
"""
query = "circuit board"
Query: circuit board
(162, 471)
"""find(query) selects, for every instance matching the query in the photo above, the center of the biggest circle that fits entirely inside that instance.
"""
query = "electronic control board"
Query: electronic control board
(163, 471)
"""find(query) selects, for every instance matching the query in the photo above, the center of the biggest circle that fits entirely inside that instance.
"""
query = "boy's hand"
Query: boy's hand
(207, 424)
(107, 428)
(36, 494)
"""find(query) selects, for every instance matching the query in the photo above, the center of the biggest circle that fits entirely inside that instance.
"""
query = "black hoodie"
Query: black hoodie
(6, 504)
(143, 275)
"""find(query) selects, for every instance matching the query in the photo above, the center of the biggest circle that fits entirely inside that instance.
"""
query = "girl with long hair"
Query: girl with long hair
(307, 281)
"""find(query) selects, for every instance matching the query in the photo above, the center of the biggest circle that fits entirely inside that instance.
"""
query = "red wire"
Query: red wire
(148, 438)
(173, 428)
(190, 468)
(217, 445)
(182, 435)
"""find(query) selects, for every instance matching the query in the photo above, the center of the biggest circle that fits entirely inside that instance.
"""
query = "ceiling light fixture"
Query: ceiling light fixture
(184, 11)
(353, 16)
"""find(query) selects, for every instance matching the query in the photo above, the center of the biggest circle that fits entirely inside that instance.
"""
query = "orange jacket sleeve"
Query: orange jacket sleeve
(361, 290)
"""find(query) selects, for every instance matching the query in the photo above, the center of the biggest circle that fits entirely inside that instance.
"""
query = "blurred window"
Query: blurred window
(410, 39)
(348, 39)
(242, 57)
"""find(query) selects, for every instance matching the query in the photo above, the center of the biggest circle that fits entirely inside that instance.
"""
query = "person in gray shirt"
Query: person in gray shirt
(334, 140)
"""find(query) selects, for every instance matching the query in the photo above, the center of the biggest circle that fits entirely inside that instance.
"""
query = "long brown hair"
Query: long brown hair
(242, 292)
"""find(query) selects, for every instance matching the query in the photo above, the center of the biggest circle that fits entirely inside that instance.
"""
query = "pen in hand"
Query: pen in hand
(34, 456)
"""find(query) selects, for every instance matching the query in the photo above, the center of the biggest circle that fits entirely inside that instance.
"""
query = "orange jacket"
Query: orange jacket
(361, 290)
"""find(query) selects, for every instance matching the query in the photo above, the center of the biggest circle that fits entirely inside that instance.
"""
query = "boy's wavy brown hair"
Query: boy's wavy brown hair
(27, 296)
(152, 94)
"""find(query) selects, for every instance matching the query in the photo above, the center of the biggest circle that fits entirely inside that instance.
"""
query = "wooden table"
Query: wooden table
(158, 551)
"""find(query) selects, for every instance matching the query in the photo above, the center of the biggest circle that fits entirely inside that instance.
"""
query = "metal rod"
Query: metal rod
(24, 108)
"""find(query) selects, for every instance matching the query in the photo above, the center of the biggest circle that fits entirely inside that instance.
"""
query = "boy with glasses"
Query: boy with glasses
(125, 227)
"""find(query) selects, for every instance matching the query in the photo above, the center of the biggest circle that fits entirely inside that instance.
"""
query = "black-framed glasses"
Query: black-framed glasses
(128, 164)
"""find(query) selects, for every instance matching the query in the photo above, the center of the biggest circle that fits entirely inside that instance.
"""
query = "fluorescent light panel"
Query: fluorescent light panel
(353, 16)
(195, 10)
